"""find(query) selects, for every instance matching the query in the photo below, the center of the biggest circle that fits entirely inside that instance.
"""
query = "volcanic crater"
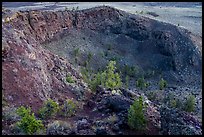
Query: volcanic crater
(39, 51)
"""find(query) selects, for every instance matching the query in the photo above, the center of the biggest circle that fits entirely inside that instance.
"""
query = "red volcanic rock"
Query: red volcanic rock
(30, 73)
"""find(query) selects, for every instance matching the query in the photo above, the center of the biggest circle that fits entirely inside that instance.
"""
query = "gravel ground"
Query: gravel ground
(186, 14)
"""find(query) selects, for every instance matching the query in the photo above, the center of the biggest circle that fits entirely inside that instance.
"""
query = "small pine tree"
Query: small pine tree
(136, 117)
(190, 104)
(95, 81)
(162, 84)
(28, 123)
(113, 79)
(141, 83)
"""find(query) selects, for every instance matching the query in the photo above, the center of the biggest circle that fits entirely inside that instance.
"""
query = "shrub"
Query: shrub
(176, 103)
(69, 108)
(162, 84)
(96, 80)
(28, 123)
(189, 105)
(59, 128)
(173, 103)
(136, 117)
(69, 79)
(141, 83)
(49, 109)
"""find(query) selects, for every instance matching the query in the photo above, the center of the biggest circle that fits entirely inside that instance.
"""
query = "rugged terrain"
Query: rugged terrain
(185, 14)
(38, 52)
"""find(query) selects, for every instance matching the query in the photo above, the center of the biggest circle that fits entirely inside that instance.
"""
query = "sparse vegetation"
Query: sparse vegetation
(149, 73)
(85, 74)
(189, 105)
(176, 103)
(136, 117)
(162, 84)
(76, 53)
(130, 70)
(49, 109)
(122, 38)
(141, 83)
(69, 79)
(59, 128)
(28, 123)
(108, 78)
(96, 80)
(68, 108)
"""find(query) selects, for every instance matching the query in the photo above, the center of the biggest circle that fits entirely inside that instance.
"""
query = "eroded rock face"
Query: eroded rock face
(30, 73)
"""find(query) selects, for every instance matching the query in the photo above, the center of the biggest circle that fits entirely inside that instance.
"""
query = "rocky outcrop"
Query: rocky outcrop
(174, 122)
